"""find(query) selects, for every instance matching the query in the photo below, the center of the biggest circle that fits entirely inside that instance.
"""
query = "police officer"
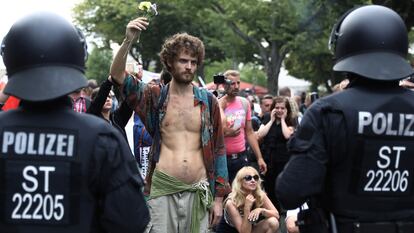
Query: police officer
(60, 171)
(353, 152)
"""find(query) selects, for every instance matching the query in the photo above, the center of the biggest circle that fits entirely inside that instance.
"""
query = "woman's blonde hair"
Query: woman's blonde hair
(238, 195)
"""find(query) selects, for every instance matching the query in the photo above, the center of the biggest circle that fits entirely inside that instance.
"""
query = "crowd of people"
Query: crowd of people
(197, 162)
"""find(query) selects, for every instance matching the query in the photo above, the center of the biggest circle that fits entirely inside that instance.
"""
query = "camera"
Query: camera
(221, 79)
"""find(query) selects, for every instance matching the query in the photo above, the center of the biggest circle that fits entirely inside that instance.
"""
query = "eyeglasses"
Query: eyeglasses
(249, 178)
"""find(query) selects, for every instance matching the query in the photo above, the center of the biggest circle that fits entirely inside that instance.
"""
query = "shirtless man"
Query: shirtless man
(188, 164)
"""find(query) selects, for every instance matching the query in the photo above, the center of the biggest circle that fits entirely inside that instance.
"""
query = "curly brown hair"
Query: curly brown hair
(179, 42)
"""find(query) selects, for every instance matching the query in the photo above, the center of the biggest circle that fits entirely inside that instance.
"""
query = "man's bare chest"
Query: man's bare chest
(182, 114)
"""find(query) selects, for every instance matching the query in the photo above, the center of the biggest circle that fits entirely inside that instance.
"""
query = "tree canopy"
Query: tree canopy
(263, 33)
(97, 66)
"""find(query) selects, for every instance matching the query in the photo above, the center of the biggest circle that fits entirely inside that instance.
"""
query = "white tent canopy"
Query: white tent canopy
(296, 85)
(147, 76)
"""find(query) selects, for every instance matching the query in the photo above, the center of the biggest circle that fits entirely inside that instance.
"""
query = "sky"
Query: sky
(12, 10)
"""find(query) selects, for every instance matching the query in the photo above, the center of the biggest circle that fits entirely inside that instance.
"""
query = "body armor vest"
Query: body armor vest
(45, 165)
(372, 178)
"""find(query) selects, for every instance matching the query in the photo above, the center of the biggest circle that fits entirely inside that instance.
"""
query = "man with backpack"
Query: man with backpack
(187, 164)
(238, 127)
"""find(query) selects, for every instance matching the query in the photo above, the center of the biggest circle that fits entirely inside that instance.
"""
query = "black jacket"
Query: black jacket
(61, 171)
(353, 153)
(120, 117)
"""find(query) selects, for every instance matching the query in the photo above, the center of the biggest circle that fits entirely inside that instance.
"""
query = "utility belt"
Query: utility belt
(313, 220)
(236, 155)
(386, 227)
(317, 221)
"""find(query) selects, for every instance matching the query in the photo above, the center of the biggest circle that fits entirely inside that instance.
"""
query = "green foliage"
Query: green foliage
(249, 72)
(104, 19)
(258, 32)
(263, 34)
(107, 19)
(309, 57)
(97, 66)
(216, 67)
(252, 73)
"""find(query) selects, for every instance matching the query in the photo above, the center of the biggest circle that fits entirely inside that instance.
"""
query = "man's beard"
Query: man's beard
(184, 78)
(232, 93)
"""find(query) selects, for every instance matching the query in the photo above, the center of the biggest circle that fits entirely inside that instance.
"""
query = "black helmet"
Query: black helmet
(45, 57)
(371, 41)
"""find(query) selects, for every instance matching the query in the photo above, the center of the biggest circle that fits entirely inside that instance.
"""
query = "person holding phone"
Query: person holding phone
(276, 128)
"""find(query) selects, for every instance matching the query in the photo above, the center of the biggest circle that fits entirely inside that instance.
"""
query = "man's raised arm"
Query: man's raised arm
(133, 30)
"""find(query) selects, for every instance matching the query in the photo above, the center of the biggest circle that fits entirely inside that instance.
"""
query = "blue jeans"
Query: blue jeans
(234, 165)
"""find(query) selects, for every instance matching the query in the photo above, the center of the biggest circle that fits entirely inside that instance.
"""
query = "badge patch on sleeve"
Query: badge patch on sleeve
(386, 168)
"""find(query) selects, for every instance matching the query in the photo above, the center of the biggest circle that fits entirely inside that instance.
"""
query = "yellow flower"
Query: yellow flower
(149, 10)
(145, 6)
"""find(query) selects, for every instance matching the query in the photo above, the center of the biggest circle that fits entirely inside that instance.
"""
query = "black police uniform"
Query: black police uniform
(353, 150)
(60, 171)
(351, 155)
(66, 172)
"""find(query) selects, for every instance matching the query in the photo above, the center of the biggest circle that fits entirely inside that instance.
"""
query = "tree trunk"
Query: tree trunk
(273, 68)
(273, 79)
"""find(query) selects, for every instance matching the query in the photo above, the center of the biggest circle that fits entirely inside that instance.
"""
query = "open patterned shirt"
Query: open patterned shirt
(145, 98)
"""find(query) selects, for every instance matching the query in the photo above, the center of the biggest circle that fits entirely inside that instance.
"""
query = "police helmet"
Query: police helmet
(45, 58)
(371, 41)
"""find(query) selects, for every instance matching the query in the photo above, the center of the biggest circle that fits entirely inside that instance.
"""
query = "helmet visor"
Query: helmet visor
(385, 66)
(45, 83)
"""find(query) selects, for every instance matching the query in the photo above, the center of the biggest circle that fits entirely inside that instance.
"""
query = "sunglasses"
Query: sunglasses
(249, 178)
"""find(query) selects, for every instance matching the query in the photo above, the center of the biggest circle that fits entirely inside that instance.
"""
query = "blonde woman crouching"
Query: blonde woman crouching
(247, 208)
